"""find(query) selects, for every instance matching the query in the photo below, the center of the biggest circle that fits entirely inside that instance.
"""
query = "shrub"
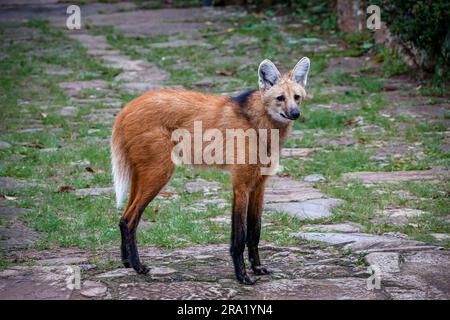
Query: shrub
(424, 23)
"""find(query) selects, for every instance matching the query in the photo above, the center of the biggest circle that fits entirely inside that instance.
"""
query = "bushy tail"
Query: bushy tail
(121, 174)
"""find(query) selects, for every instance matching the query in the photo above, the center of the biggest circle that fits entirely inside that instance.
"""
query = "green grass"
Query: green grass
(330, 163)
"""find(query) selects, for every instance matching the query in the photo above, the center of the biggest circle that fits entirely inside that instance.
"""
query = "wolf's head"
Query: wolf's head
(282, 95)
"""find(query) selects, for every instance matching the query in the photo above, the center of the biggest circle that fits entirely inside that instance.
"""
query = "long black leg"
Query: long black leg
(134, 255)
(125, 235)
(254, 229)
(130, 255)
(238, 236)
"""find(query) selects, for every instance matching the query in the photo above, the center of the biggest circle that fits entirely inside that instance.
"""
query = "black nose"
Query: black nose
(295, 113)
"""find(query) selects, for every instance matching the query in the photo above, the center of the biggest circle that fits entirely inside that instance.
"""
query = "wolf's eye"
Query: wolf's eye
(280, 98)
(296, 97)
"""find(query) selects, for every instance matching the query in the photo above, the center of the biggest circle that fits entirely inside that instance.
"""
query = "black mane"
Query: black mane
(243, 97)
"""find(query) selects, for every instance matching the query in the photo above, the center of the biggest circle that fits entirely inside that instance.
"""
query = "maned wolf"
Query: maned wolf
(142, 152)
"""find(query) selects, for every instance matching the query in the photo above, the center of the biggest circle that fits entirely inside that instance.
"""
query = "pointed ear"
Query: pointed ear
(300, 71)
(268, 74)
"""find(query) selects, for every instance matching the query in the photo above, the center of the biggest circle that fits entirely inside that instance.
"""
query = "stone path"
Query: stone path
(137, 76)
(297, 198)
(396, 176)
(13, 232)
(205, 272)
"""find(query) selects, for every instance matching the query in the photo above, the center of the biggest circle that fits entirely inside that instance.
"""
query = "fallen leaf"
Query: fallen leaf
(90, 169)
(226, 72)
(361, 139)
(44, 115)
(66, 188)
(390, 87)
(166, 194)
(356, 120)
(36, 145)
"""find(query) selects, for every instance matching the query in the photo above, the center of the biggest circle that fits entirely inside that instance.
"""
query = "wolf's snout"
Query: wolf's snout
(294, 113)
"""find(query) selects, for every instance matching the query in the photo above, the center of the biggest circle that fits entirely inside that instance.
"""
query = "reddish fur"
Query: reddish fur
(142, 131)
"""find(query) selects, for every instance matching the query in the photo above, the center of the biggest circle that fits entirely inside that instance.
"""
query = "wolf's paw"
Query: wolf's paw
(260, 271)
(246, 279)
(141, 269)
(126, 263)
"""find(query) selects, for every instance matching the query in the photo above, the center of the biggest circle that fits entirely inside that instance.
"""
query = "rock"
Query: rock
(9, 184)
(309, 209)
(236, 40)
(30, 130)
(310, 40)
(386, 262)
(182, 290)
(440, 236)
(414, 275)
(378, 158)
(4, 145)
(404, 194)
(117, 273)
(395, 234)
(74, 88)
(316, 289)
(105, 102)
(395, 152)
(94, 191)
(396, 176)
(344, 141)
(348, 227)
(142, 23)
(93, 289)
(11, 212)
(297, 152)
(398, 216)
(93, 131)
(202, 205)
(176, 43)
(314, 178)
(363, 242)
(17, 235)
(37, 283)
(201, 185)
(323, 271)
(420, 111)
(203, 257)
(64, 261)
(287, 189)
(68, 111)
(161, 271)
